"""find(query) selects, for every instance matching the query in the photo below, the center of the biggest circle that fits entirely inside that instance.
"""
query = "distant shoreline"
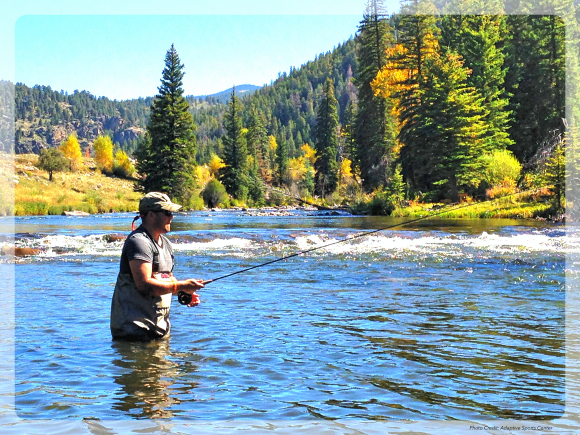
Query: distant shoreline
(91, 192)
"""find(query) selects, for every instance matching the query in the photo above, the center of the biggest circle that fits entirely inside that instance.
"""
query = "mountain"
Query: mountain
(45, 117)
(224, 96)
(287, 106)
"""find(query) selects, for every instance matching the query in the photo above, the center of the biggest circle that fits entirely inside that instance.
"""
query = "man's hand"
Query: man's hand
(190, 286)
(194, 300)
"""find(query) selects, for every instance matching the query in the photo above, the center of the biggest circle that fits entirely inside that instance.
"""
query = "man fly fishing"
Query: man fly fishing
(145, 284)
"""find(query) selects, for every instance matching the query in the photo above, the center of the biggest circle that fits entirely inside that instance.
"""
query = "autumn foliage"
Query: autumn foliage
(72, 151)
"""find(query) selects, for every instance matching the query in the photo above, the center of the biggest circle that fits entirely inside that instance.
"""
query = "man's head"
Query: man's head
(156, 210)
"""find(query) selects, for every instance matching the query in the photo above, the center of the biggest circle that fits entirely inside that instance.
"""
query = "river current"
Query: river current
(438, 321)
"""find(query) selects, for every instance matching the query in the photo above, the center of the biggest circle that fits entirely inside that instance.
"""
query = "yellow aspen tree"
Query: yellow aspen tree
(394, 78)
(297, 169)
(104, 153)
(72, 151)
(272, 143)
(215, 164)
(203, 175)
(345, 170)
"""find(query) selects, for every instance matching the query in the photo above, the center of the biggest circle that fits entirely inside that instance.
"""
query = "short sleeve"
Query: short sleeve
(138, 247)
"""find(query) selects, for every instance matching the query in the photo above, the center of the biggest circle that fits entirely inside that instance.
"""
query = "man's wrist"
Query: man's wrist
(174, 281)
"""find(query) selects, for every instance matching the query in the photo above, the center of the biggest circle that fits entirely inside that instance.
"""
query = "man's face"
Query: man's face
(162, 222)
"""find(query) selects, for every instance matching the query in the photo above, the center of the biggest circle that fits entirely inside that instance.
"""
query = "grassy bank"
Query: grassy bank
(26, 190)
(519, 210)
(86, 190)
(523, 205)
(519, 206)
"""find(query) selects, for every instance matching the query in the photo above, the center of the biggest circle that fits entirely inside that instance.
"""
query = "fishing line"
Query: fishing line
(358, 236)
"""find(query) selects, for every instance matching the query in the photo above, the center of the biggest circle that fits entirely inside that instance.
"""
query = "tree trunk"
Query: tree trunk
(453, 189)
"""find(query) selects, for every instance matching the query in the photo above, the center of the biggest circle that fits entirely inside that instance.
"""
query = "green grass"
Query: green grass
(500, 209)
(86, 190)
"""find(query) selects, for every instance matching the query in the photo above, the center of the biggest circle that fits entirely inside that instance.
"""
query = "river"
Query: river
(458, 321)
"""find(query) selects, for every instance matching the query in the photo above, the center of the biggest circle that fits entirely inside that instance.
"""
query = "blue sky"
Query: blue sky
(117, 49)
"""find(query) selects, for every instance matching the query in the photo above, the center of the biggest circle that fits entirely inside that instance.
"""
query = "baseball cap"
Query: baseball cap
(155, 201)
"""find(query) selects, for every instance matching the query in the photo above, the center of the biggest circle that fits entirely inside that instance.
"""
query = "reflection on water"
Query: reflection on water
(146, 378)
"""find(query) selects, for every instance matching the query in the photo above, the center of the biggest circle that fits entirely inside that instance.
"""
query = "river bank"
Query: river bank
(26, 190)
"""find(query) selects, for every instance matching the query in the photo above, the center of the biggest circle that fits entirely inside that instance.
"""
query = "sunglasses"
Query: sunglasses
(167, 212)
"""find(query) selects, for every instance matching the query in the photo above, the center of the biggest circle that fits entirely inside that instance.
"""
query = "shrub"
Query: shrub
(58, 209)
(506, 188)
(214, 194)
(122, 166)
(353, 189)
(333, 199)
(31, 208)
(276, 198)
(383, 203)
(93, 198)
(501, 166)
(237, 203)
(195, 203)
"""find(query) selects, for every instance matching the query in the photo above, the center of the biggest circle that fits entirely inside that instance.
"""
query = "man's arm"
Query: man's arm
(142, 272)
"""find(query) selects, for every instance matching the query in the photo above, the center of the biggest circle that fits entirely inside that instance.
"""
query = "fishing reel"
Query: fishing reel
(184, 298)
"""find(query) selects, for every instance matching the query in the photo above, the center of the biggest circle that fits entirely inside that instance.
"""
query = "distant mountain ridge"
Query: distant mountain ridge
(44, 117)
(224, 96)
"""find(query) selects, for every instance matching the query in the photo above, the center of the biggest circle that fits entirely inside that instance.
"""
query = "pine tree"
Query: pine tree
(257, 140)
(255, 184)
(402, 80)
(452, 119)
(326, 134)
(235, 176)
(479, 39)
(281, 162)
(397, 186)
(375, 127)
(347, 131)
(167, 157)
(535, 78)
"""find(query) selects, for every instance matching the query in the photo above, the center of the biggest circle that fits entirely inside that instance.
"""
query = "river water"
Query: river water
(442, 321)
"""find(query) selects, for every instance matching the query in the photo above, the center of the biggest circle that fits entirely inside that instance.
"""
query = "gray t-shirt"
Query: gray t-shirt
(141, 246)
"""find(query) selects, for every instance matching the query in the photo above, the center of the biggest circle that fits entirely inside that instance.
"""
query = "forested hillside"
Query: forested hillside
(426, 106)
(45, 117)
(288, 106)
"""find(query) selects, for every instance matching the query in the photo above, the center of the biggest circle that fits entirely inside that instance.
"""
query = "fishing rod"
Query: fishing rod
(185, 298)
